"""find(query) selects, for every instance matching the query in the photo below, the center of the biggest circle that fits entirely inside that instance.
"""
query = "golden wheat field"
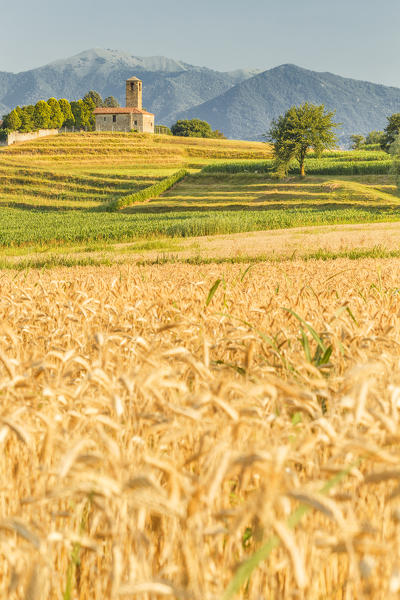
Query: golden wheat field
(201, 432)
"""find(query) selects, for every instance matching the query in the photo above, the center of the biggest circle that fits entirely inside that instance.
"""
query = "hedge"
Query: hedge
(150, 192)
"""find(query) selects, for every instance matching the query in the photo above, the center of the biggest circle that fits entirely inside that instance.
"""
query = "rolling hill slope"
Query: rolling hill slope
(246, 110)
(240, 103)
(169, 86)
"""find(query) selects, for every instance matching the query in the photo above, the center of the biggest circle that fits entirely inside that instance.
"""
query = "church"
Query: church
(127, 118)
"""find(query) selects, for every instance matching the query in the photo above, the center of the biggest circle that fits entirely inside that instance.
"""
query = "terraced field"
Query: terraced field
(85, 170)
(55, 192)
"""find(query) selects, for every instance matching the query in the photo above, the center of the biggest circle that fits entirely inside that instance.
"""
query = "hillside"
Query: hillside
(240, 103)
(246, 110)
(169, 86)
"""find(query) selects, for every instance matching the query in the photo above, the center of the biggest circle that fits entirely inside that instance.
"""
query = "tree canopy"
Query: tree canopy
(69, 120)
(394, 150)
(391, 131)
(357, 141)
(374, 137)
(56, 114)
(41, 115)
(300, 129)
(12, 121)
(94, 97)
(194, 128)
(110, 102)
(83, 114)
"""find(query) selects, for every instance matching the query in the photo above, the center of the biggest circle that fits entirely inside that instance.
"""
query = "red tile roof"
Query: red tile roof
(120, 110)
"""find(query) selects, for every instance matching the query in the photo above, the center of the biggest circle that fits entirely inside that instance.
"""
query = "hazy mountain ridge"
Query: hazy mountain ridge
(169, 86)
(246, 110)
(240, 103)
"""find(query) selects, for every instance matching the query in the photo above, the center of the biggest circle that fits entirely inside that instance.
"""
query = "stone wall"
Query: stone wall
(17, 136)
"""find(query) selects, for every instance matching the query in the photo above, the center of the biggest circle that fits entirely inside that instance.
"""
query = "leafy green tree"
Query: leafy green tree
(56, 115)
(68, 117)
(110, 102)
(374, 137)
(78, 109)
(394, 150)
(83, 113)
(218, 135)
(12, 121)
(357, 141)
(26, 117)
(192, 128)
(42, 115)
(90, 105)
(297, 131)
(391, 131)
(94, 97)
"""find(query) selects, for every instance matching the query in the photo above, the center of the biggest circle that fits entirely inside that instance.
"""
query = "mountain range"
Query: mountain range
(239, 103)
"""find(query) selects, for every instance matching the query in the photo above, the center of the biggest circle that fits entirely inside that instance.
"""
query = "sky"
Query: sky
(353, 38)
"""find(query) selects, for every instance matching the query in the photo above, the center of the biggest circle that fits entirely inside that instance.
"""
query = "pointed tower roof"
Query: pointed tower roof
(133, 79)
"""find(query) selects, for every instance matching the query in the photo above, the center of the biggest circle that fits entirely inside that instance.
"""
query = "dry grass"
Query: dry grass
(154, 436)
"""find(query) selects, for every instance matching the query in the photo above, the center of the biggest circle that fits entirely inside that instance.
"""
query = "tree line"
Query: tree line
(55, 114)
(379, 139)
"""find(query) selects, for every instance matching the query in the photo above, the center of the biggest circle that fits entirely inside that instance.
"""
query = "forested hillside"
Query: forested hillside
(240, 103)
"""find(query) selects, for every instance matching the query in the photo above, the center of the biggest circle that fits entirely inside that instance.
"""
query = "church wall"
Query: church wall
(106, 123)
(125, 122)
(148, 123)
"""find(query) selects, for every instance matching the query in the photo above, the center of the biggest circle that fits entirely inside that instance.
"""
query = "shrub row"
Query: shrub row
(150, 192)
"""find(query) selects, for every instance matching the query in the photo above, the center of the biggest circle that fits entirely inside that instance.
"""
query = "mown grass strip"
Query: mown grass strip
(150, 192)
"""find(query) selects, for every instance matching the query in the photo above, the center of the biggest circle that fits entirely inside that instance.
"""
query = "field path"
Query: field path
(300, 240)
(274, 244)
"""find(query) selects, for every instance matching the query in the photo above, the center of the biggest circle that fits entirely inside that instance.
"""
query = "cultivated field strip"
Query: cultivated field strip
(137, 146)
(162, 426)
(86, 170)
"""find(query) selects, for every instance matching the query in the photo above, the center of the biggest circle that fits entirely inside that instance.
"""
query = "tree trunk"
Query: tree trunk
(302, 160)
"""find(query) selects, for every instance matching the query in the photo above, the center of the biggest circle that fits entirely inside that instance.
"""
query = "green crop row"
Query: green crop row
(314, 166)
(152, 191)
(28, 227)
(264, 166)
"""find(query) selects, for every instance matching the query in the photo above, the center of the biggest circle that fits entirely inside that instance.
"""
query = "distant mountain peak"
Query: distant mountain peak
(240, 103)
(115, 57)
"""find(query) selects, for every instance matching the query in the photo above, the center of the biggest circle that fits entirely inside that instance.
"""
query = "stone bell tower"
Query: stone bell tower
(134, 93)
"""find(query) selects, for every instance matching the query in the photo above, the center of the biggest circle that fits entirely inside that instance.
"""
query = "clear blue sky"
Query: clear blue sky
(354, 38)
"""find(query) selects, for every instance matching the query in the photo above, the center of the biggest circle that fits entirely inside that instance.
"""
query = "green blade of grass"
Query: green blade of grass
(212, 291)
(308, 327)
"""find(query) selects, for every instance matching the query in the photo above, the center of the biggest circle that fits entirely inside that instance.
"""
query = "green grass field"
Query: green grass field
(55, 191)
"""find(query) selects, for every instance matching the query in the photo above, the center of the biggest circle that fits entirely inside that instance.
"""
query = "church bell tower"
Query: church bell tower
(134, 93)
